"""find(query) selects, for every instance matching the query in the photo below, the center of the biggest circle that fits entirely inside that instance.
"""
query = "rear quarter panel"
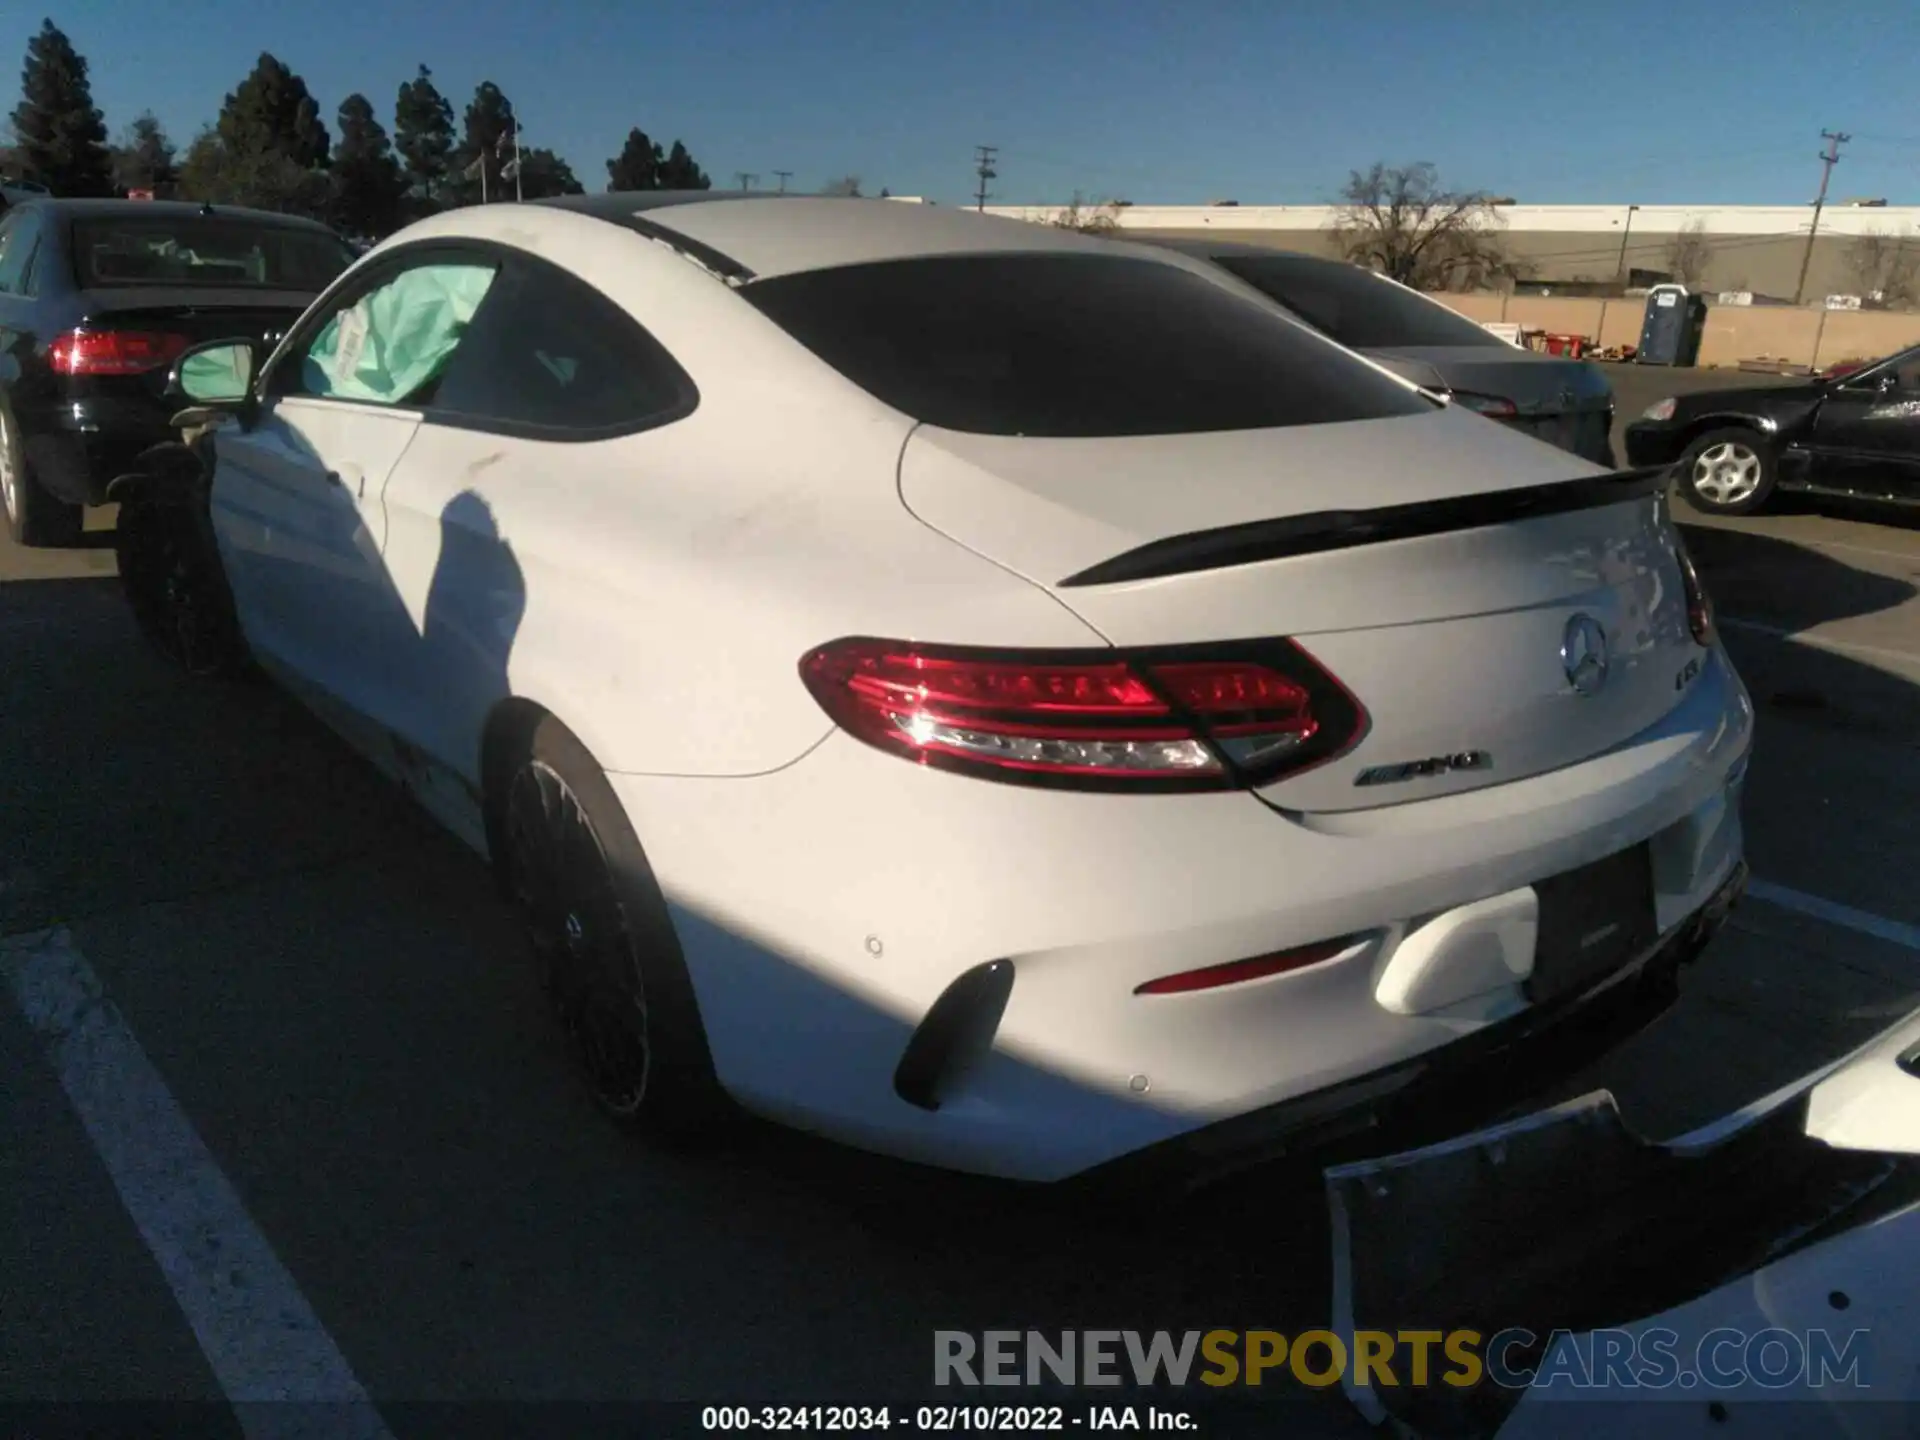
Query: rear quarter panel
(673, 579)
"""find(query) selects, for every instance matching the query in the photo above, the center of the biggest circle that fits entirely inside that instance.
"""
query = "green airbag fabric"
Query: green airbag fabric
(392, 342)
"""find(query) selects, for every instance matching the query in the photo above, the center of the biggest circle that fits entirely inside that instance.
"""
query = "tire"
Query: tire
(602, 941)
(171, 574)
(35, 519)
(1729, 471)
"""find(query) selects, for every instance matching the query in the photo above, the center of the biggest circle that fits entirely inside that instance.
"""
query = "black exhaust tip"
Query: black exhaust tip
(957, 1031)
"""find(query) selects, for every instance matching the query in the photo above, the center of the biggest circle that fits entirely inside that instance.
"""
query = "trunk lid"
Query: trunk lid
(1567, 403)
(1448, 629)
(197, 314)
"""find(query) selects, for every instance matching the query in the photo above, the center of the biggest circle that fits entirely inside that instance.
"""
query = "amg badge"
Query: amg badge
(1434, 765)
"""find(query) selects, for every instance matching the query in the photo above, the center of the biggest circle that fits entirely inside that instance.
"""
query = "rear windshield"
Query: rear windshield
(1355, 306)
(1071, 345)
(205, 250)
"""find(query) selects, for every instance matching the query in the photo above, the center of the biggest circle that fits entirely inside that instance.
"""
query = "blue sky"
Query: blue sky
(1263, 101)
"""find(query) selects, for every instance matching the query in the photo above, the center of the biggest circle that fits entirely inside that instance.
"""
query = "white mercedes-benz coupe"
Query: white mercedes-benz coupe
(977, 691)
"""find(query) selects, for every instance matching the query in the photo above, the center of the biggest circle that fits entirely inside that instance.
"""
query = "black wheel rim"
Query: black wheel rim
(581, 941)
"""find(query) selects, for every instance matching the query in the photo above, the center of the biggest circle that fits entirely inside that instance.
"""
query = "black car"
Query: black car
(1856, 434)
(97, 298)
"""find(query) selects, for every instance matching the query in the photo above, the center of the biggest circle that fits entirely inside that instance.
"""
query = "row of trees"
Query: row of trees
(270, 149)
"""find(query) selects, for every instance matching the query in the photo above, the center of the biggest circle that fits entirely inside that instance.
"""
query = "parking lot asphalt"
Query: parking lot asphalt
(324, 988)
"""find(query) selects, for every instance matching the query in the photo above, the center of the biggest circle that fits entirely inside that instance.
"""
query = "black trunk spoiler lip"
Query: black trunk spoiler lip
(1325, 530)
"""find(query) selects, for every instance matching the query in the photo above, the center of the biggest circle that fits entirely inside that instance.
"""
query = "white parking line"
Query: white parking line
(261, 1338)
(1895, 931)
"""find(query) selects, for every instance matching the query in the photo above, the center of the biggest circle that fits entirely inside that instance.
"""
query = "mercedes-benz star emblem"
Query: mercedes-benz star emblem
(1583, 654)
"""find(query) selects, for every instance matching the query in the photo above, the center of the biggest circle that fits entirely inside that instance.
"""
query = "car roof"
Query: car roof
(71, 209)
(748, 235)
(1193, 245)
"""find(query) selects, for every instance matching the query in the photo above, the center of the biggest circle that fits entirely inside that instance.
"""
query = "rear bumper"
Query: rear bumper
(1471, 1083)
(77, 450)
(826, 909)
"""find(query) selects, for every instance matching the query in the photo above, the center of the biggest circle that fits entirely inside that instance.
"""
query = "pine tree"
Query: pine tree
(268, 149)
(640, 165)
(271, 113)
(637, 166)
(62, 137)
(423, 136)
(367, 181)
(144, 159)
(679, 172)
(488, 122)
(544, 174)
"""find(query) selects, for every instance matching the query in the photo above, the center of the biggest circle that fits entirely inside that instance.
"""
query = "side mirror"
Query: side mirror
(215, 372)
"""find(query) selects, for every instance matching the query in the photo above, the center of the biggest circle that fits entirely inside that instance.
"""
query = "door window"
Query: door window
(391, 343)
(552, 357)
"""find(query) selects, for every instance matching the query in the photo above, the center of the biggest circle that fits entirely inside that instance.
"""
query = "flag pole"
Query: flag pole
(517, 195)
(483, 177)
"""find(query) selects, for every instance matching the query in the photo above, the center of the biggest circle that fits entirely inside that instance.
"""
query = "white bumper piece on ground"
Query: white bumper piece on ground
(1772, 1257)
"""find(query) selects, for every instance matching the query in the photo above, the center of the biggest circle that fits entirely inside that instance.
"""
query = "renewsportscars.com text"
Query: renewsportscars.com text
(1515, 1359)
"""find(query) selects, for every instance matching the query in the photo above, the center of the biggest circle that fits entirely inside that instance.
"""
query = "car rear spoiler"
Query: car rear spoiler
(1343, 529)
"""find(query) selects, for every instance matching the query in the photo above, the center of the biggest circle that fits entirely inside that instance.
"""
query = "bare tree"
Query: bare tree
(1689, 253)
(1400, 221)
(846, 185)
(1885, 267)
(1089, 218)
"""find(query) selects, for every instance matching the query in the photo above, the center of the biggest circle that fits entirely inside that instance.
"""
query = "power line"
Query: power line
(1829, 158)
(983, 167)
(783, 176)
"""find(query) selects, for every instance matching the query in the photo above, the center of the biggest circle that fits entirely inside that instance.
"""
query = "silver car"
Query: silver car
(1564, 402)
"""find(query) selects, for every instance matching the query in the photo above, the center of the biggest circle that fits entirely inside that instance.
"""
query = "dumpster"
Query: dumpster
(1671, 332)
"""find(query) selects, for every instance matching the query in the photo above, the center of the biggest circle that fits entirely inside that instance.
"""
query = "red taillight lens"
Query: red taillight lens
(113, 352)
(1497, 406)
(1238, 972)
(1699, 607)
(1093, 719)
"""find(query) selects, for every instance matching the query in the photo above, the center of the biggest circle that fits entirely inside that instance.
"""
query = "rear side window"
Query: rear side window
(201, 250)
(551, 355)
(1071, 345)
(1354, 306)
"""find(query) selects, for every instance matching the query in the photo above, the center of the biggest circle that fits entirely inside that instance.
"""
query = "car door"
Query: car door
(297, 495)
(1866, 435)
(549, 379)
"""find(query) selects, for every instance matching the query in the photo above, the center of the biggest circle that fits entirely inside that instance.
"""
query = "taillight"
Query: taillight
(1496, 406)
(113, 352)
(1101, 719)
(1699, 607)
(1238, 972)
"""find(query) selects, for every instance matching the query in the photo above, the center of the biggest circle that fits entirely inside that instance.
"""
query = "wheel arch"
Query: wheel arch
(507, 727)
(1763, 426)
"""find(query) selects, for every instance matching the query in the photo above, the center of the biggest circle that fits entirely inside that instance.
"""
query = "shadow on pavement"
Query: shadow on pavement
(1768, 590)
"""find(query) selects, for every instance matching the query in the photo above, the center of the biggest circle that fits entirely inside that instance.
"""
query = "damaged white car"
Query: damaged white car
(961, 687)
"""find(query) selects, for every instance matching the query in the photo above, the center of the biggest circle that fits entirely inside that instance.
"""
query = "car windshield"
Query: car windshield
(205, 251)
(1071, 345)
(1354, 306)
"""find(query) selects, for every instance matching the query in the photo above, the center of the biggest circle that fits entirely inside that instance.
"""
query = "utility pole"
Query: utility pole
(1624, 233)
(1829, 158)
(783, 176)
(746, 180)
(983, 167)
